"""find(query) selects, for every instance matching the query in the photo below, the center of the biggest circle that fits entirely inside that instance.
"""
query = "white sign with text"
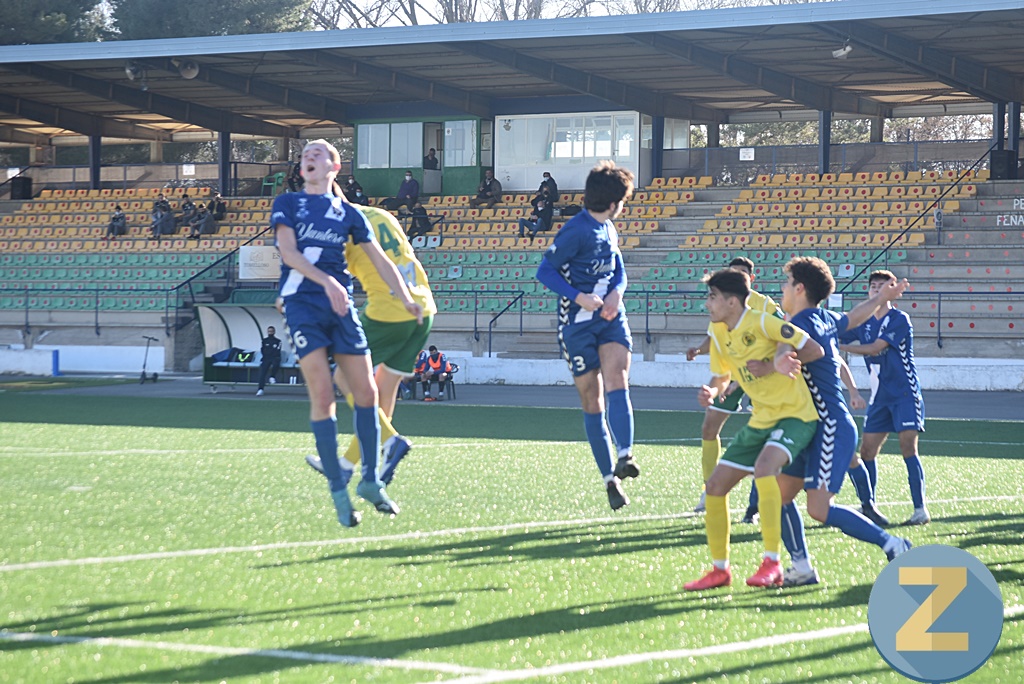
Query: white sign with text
(258, 263)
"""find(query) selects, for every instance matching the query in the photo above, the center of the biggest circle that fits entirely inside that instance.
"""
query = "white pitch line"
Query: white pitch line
(348, 541)
(22, 452)
(303, 656)
(678, 654)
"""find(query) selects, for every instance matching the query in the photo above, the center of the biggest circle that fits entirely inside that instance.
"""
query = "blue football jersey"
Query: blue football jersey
(323, 224)
(586, 254)
(822, 376)
(894, 368)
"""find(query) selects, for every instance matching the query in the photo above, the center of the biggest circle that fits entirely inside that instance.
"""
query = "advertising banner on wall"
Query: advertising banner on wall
(259, 263)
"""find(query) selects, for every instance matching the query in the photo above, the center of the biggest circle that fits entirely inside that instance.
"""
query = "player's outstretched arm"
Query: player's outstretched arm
(866, 309)
(873, 349)
(694, 352)
(856, 400)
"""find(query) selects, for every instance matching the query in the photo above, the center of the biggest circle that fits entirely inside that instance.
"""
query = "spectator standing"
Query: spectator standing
(430, 161)
(551, 186)
(408, 194)
(488, 192)
(270, 359)
(295, 180)
(118, 223)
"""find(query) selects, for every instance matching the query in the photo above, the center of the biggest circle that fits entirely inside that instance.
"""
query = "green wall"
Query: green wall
(456, 180)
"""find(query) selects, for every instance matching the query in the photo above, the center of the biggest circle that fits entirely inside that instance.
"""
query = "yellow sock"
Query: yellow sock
(716, 520)
(387, 431)
(769, 507)
(710, 452)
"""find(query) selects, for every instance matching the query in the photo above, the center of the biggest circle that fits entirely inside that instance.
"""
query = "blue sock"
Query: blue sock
(915, 476)
(861, 482)
(793, 532)
(367, 427)
(754, 498)
(600, 444)
(620, 420)
(326, 434)
(872, 469)
(855, 525)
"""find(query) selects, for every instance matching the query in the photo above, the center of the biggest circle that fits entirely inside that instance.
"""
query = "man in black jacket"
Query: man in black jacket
(270, 361)
(542, 216)
(489, 192)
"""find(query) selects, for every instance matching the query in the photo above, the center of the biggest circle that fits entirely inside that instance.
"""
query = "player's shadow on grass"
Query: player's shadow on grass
(112, 620)
(607, 539)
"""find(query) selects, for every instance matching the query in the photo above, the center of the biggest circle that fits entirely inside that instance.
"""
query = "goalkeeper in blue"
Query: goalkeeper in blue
(821, 467)
(584, 266)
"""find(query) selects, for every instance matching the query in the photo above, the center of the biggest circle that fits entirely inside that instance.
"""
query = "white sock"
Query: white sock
(771, 556)
(803, 565)
(721, 564)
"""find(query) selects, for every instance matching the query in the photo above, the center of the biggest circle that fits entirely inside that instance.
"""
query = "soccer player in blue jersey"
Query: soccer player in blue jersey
(887, 342)
(585, 267)
(821, 467)
(312, 227)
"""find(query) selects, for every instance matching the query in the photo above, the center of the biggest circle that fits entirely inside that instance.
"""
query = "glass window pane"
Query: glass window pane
(372, 148)
(625, 137)
(460, 143)
(406, 145)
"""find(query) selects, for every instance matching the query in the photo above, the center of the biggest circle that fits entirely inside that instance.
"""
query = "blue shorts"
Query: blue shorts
(824, 462)
(580, 341)
(898, 416)
(312, 324)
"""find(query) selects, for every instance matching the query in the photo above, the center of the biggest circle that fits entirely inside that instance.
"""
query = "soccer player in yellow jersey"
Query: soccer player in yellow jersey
(782, 423)
(393, 335)
(729, 402)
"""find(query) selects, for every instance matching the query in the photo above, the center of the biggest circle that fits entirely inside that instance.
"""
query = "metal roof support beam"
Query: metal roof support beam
(615, 92)
(179, 110)
(824, 141)
(9, 134)
(86, 124)
(988, 83)
(415, 87)
(800, 90)
(261, 89)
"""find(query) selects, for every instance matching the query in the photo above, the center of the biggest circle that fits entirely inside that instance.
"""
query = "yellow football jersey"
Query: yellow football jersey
(756, 337)
(762, 302)
(381, 304)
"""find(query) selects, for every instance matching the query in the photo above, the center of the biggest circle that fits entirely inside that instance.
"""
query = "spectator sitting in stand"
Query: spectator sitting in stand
(353, 191)
(430, 161)
(217, 207)
(541, 218)
(551, 186)
(163, 217)
(202, 223)
(188, 211)
(408, 194)
(489, 191)
(118, 223)
(421, 223)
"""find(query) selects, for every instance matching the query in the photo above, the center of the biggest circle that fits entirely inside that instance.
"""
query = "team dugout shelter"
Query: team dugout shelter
(529, 96)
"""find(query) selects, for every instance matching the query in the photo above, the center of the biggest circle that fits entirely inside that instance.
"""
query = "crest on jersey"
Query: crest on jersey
(787, 331)
(302, 212)
(336, 212)
(749, 339)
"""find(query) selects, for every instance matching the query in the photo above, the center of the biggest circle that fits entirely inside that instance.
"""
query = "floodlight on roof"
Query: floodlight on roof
(187, 68)
(842, 52)
(134, 71)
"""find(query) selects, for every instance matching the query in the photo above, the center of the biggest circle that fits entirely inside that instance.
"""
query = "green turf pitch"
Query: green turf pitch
(168, 540)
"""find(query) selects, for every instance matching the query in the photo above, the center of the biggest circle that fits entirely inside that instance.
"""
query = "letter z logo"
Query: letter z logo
(914, 634)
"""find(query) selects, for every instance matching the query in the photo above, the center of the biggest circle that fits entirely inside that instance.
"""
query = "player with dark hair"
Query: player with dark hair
(312, 228)
(886, 340)
(731, 401)
(782, 423)
(584, 266)
(821, 467)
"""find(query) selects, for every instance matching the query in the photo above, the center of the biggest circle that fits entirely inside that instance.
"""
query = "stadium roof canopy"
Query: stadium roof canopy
(906, 57)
